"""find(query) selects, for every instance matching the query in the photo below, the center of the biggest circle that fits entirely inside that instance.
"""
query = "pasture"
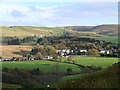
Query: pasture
(45, 65)
(104, 62)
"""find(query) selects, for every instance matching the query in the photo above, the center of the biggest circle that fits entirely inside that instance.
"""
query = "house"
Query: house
(58, 51)
(105, 51)
(63, 52)
(83, 50)
(72, 51)
(102, 51)
(68, 51)
(47, 57)
(6, 59)
(40, 36)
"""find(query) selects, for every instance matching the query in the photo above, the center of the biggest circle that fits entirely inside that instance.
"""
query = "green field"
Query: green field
(108, 38)
(104, 62)
(45, 65)
(105, 38)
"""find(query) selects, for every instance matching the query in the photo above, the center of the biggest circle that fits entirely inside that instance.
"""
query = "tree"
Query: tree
(38, 56)
(69, 59)
(92, 52)
(28, 57)
(108, 47)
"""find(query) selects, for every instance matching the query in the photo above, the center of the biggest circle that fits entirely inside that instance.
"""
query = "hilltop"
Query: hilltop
(108, 29)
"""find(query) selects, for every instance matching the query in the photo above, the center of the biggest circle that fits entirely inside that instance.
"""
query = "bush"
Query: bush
(5, 69)
(69, 71)
(35, 71)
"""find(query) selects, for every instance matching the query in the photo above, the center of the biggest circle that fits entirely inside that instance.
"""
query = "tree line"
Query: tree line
(17, 41)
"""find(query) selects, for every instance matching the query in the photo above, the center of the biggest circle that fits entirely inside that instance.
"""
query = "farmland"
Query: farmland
(48, 65)
(43, 65)
(8, 51)
(25, 31)
(96, 61)
(52, 66)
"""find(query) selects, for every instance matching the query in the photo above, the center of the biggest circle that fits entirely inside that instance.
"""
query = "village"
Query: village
(64, 53)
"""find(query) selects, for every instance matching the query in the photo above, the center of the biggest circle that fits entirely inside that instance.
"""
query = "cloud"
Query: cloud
(67, 14)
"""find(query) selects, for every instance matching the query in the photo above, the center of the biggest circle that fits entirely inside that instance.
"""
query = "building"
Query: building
(5, 59)
(47, 57)
(63, 52)
(105, 51)
(102, 51)
(83, 50)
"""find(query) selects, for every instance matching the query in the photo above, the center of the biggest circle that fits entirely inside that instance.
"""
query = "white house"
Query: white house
(62, 52)
(105, 51)
(48, 57)
(83, 50)
(68, 51)
(102, 51)
(6, 59)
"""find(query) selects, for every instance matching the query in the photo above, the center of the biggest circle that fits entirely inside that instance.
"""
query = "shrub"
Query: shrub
(5, 69)
(69, 71)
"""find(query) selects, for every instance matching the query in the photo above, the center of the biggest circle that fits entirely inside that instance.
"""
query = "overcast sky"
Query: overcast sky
(62, 13)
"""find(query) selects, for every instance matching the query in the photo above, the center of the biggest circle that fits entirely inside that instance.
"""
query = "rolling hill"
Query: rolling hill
(109, 30)
(97, 32)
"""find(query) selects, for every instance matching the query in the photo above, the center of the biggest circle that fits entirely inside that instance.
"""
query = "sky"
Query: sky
(58, 13)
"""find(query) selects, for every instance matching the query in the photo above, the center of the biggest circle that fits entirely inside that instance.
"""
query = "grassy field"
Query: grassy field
(23, 31)
(105, 38)
(8, 51)
(51, 65)
(108, 38)
(43, 65)
(104, 62)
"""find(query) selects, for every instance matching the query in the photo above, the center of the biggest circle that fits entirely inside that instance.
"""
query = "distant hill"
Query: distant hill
(23, 31)
(83, 31)
(109, 30)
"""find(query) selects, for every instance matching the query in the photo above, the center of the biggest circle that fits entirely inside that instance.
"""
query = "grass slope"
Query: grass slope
(108, 29)
(104, 62)
(103, 79)
(51, 65)
(9, 51)
(43, 65)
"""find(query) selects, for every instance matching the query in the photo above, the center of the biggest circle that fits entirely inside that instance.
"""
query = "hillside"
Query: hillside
(109, 30)
(8, 51)
(98, 32)
(23, 31)
(104, 79)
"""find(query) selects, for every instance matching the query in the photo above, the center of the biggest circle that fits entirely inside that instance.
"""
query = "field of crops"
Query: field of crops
(9, 51)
